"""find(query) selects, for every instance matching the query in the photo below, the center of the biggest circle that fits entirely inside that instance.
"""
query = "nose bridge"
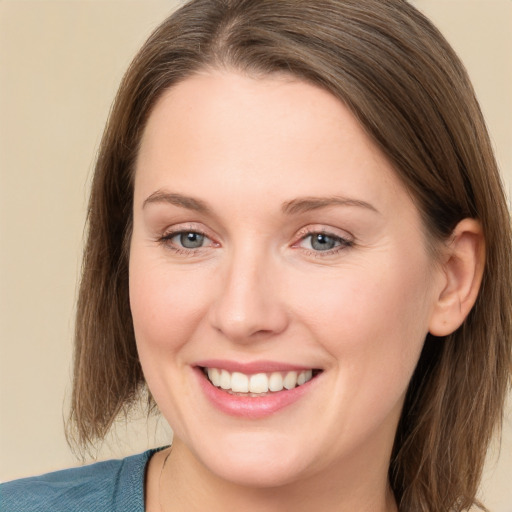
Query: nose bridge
(247, 305)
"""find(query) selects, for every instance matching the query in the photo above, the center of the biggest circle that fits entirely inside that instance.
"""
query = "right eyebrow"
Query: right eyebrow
(306, 204)
(190, 203)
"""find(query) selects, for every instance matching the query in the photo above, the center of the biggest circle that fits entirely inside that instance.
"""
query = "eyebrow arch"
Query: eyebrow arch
(295, 206)
(306, 204)
(160, 196)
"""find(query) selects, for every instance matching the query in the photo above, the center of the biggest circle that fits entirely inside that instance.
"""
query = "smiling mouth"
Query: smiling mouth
(258, 384)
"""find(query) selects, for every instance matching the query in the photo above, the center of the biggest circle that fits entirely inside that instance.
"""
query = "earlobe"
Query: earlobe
(462, 265)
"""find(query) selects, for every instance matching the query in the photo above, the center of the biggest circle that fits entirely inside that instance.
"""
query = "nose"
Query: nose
(247, 306)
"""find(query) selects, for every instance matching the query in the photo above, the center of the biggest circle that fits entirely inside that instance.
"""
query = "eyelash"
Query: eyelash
(167, 237)
(343, 243)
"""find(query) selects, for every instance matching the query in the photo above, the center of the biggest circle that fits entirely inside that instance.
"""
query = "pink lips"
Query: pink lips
(251, 368)
(247, 406)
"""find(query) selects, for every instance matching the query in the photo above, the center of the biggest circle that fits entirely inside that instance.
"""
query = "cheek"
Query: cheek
(166, 306)
(360, 300)
(372, 320)
(166, 310)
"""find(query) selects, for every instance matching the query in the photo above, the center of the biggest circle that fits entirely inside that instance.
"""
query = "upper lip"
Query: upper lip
(253, 367)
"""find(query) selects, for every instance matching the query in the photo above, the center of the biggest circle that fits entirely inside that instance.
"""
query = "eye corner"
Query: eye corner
(187, 240)
(323, 241)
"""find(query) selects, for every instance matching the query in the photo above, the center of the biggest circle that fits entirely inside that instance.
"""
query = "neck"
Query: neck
(186, 485)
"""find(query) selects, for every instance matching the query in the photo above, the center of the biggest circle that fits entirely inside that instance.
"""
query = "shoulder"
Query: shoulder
(113, 485)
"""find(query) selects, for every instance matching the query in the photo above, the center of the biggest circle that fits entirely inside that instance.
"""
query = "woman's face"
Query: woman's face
(273, 245)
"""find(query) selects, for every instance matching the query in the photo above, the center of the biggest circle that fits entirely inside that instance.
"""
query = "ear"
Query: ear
(462, 267)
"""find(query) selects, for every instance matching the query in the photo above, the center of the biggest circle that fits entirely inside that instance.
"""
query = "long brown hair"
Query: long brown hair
(410, 92)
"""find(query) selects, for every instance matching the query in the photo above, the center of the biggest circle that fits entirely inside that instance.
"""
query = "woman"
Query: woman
(299, 241)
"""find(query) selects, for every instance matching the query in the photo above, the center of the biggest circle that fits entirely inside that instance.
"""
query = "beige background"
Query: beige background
(60, 64)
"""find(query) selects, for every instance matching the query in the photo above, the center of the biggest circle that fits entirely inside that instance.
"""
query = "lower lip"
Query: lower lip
(251, 407)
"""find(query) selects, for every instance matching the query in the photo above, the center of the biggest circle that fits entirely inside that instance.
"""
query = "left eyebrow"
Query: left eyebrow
(189, 203)
(306, 204)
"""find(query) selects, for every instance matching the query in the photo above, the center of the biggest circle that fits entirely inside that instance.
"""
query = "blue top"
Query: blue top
(110, 486)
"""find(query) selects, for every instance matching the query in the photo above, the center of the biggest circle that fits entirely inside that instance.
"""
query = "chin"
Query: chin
(248, 474)
(255, 461)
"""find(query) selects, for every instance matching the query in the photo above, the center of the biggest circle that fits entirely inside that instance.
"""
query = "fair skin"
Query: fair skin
(271, 235)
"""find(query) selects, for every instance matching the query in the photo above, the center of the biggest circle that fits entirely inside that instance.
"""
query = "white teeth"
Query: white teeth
(290, 381)
(275, 383)
(225, 380)
(258, 383)
(214, 376)
(239, 383)
(304, 377)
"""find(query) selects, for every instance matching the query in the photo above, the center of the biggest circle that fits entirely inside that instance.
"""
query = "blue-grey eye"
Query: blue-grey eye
(323, 242)
(191, 240)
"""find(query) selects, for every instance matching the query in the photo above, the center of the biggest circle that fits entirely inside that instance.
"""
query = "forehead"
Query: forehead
(274, 136)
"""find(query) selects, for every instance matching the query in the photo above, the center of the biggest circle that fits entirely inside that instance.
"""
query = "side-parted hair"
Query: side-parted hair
(400, 78)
